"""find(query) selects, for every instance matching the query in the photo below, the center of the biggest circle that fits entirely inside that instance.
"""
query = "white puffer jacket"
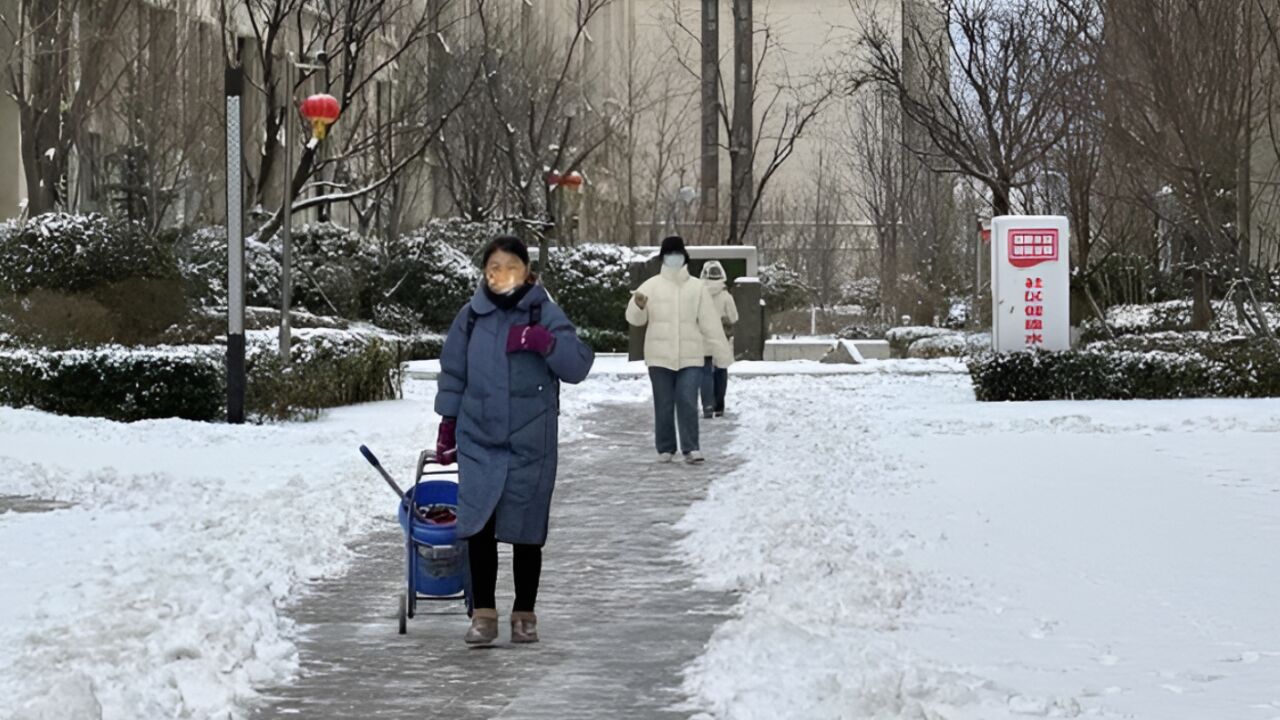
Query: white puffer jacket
(681, 318)
(727, 310)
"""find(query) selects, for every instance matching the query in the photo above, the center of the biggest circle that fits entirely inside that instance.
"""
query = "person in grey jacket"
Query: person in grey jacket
(499, 396)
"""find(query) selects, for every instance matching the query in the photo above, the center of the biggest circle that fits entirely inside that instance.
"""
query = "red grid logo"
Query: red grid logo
(1028, 248)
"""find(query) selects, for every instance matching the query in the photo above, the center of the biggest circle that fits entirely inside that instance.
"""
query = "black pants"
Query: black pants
(482, 553)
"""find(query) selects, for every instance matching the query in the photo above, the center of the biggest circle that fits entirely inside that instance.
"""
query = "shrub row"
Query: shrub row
(326, 369)
(116, 382)
(1235, 369)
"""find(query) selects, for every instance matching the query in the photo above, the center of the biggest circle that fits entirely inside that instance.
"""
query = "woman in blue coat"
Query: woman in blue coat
(499, 394)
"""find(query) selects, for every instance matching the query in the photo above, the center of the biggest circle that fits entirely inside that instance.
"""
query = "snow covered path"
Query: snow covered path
(617, 613)
(905, 552)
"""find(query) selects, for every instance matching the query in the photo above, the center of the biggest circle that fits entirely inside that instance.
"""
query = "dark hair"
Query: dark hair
(508, 244)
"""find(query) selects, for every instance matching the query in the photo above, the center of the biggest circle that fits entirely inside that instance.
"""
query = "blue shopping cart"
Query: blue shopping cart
(435, 560)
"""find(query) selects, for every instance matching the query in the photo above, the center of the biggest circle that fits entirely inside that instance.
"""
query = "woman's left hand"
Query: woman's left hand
(530, 338)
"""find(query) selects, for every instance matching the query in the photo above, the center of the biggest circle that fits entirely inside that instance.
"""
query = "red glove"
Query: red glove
(447, 442)
(531, 338)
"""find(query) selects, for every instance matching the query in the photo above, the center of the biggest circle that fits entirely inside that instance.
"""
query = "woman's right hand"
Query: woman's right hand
(641, 300)
(447, 442)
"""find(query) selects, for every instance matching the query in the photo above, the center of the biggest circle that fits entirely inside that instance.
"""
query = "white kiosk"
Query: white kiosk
(1030, 283)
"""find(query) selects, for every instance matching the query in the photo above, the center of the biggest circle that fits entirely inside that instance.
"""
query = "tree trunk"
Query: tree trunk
(44, 145)
(741, 143)
(1201, 306)
(889, 273)
(1000, 192)
(709, 211)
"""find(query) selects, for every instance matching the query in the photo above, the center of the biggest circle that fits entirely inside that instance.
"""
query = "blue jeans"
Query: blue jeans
(675, 402)
(715, 384)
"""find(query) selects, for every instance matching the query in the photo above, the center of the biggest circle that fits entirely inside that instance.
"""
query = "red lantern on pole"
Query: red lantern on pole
(322, 110)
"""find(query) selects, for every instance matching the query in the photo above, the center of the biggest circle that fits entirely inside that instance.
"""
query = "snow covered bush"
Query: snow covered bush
(116, 382)
(427, 277)
(604, 341)
(593, 285)
(901, 338)
(784, 289)
(1244, 369)
(202, 262)
(70, 280)
(863, 292)
(1171, 316)
(866, 329)
(76, 253)
(463, 235)
(335, 270)
(950, 345)
(326, 369)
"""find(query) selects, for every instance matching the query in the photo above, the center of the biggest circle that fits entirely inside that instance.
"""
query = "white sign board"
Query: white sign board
(1030, 283)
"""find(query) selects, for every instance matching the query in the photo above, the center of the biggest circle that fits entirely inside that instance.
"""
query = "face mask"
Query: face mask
(673, 261)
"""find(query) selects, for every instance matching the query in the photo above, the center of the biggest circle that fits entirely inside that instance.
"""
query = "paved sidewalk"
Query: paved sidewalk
(617, 611)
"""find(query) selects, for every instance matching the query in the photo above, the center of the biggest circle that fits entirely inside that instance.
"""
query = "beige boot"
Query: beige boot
(484, 627)
(524, 627)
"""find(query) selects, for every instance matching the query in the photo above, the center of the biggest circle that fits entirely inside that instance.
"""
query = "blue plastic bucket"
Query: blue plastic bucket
(439, 557)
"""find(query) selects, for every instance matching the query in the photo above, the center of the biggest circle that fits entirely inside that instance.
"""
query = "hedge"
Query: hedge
(116, 382)
(1242, 369)
(327, 369)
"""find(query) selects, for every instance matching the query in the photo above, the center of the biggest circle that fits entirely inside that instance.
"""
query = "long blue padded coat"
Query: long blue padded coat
(508, 408)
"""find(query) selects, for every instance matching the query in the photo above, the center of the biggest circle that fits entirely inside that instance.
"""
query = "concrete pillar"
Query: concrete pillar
(640, 271)
(748, 339)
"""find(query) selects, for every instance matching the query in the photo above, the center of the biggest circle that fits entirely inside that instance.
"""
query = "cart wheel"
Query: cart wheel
(404, 609)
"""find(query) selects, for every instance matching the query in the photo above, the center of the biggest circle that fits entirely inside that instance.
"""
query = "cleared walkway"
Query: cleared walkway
(617, 611)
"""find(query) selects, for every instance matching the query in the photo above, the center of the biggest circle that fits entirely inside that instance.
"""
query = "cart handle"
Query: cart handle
(373, 460)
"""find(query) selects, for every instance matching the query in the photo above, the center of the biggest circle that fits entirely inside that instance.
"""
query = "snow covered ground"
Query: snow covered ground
(160, 590)
(900, 550)
(904, 552)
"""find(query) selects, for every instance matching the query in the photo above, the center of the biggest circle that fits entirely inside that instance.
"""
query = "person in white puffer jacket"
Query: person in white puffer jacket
(682, 324)
(715, 374)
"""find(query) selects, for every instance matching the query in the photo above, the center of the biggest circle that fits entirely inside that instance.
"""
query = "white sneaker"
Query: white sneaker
(666, 457)
(694, 458)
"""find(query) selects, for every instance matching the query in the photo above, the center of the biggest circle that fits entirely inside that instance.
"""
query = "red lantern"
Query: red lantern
(573, 182)
(322, 110)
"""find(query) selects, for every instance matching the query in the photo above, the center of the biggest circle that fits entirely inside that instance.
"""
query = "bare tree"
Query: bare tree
(1183, 97)
(986, 87)
(167, 120)
(789, 107)
(59, 75)
(880, 182)
(535, 92)
(357, 45)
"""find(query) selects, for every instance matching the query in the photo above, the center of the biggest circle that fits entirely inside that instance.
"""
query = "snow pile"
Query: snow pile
(159, 592)
(901, 552)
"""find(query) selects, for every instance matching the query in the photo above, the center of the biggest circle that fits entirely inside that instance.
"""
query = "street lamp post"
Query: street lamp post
(234, 81)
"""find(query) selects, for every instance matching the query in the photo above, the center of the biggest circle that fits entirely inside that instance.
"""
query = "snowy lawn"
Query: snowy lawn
(905, 552)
